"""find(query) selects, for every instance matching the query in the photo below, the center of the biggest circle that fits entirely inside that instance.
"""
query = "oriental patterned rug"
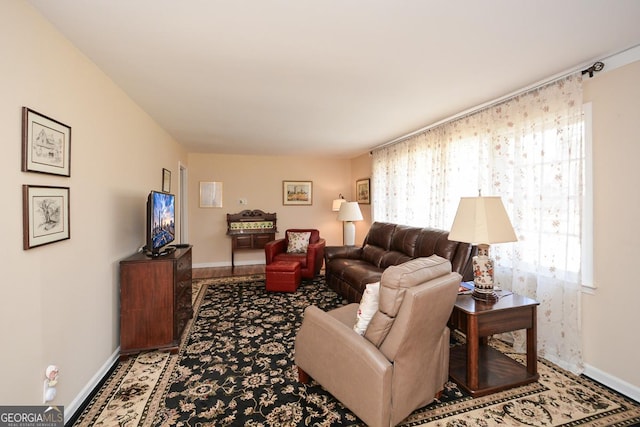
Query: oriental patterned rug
(235, 367)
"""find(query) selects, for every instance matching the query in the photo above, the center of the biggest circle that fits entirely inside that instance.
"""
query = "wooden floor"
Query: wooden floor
(239, 270)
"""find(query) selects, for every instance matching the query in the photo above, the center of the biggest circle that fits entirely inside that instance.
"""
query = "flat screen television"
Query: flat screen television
(161, 223)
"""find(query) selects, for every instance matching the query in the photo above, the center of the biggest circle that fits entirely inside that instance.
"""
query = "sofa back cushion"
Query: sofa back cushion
(404, 240)
(393, 284)
(402, 247)
(380, 234)
(373, 255)
(377, 242)
(433, 241)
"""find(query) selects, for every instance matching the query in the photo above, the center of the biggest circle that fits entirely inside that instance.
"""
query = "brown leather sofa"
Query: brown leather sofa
(402, 361)
(348, 269)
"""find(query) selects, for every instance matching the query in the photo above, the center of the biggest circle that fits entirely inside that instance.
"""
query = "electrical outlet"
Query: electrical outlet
(243, 201)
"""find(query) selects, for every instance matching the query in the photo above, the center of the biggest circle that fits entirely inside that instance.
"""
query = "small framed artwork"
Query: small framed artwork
(46, 144)
(211, 194)
(297, 192)
(45, 215)
(166, 180)
(363, 195)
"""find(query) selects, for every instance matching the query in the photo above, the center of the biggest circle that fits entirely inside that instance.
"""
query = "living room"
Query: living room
(60, 302)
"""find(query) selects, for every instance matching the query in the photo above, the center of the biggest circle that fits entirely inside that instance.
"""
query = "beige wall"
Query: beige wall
(258, 180)
(59, 302)
(611, 343)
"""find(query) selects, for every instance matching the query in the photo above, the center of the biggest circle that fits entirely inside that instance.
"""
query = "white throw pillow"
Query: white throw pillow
(298, 242)
(368, 307)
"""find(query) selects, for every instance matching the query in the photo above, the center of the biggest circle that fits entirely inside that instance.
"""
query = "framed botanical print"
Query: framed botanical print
(46, 144)
(45, 215)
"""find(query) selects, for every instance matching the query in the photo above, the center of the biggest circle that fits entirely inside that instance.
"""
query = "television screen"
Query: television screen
(160, 221)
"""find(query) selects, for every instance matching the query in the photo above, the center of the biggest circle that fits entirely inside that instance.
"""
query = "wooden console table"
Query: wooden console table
(476, 366)
(250, 229)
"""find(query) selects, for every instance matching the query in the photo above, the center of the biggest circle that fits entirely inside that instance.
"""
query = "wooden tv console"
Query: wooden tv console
(155, 301)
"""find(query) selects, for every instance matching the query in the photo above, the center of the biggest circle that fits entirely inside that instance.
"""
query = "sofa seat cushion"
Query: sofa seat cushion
(286, 257)
(360, 275)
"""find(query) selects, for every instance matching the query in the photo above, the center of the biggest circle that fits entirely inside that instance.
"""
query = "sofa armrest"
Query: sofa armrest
(345, 363)
(273, 248)
(351, 252)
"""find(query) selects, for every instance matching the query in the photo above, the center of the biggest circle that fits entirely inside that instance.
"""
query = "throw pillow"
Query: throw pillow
(298, 242)
(368, 307)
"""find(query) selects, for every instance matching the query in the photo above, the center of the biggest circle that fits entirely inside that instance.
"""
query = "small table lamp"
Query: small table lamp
(482, 221)
(337, 203)
(349, 212)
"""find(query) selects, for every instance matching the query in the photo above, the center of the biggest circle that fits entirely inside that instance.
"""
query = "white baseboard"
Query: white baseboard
(70, 410)
(615, 383)
(228, 263)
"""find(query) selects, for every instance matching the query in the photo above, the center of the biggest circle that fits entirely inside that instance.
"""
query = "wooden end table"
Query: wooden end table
(476, 366)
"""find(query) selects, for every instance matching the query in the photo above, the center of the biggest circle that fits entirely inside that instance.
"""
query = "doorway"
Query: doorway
(184, 204)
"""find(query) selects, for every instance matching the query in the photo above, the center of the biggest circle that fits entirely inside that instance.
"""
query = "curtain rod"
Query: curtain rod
(493, 102)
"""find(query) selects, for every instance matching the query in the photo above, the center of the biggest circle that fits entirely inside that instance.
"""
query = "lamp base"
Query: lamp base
(490, 296)
(349, 233)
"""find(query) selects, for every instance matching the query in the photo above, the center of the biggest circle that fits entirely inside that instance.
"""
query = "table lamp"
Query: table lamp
(482, 221)
(349, 212)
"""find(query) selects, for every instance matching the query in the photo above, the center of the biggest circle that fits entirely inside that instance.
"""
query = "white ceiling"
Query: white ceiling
(331, 77)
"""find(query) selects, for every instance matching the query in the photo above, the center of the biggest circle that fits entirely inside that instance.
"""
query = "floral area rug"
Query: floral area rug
(235, 368)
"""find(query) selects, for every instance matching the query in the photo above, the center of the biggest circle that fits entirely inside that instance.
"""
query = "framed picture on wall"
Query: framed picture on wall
(210, 194)
(46, 144)
(45, 215)
(297, 193)
(166, 180)
(363, 195)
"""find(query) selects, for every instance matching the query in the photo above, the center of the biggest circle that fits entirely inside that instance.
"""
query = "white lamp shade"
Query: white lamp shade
(336, 204)
(482, 220)
(349, 211)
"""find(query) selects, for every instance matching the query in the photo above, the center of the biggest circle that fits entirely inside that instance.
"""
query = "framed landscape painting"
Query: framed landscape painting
(363, 195)
(297, 192)
(45, 215)
(46, 144)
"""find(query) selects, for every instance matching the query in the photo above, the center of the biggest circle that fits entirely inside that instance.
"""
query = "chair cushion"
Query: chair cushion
(298, 242)
(367, 308)
(393, 283)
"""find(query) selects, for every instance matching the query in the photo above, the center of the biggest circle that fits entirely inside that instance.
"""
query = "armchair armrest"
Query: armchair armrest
(315, 255)
(273, 248)
(345, 363)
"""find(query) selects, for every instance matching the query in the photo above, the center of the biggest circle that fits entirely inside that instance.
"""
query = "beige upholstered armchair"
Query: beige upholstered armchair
(402, 361)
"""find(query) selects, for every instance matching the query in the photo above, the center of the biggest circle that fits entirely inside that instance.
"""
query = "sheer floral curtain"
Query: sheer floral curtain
(528, 150)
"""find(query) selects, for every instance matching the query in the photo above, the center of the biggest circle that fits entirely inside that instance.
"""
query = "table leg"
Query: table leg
(473, 343)
(532, 349)
(233, 266)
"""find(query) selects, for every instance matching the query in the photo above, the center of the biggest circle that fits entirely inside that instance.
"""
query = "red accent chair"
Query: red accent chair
(310, 263)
